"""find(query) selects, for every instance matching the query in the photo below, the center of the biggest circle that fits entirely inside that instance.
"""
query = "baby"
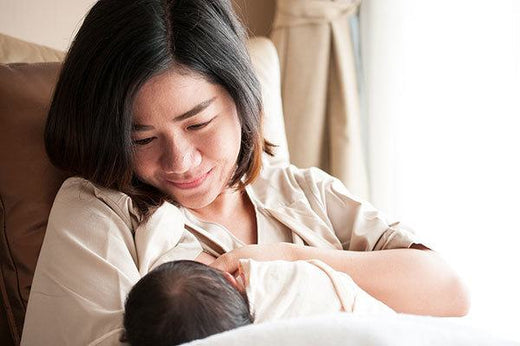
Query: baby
(181, 301)
(184, 300)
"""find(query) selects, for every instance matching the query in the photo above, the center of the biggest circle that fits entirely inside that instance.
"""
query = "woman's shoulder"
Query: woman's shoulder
(79, 194)
(292, 175)
(77, 187)
(289, 183)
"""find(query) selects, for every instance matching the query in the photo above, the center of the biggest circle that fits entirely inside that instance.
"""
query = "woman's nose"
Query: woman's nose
(180, 156)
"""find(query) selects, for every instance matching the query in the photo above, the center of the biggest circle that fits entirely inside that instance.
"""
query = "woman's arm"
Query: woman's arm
(414, 281)
(91, 257)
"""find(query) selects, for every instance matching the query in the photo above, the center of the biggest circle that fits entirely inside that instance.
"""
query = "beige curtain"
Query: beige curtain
(319, 87)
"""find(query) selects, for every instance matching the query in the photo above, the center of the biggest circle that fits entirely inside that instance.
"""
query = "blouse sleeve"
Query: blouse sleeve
(93, 252)
(357, 224)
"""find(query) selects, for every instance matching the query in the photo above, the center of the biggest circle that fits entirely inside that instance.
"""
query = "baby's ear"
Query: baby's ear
(231, 279)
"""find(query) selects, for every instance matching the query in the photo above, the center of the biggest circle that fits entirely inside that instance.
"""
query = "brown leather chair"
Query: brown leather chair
(28, 182)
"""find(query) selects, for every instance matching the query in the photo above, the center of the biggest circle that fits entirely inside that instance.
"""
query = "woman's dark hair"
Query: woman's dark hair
(182, 301)
(120, 46)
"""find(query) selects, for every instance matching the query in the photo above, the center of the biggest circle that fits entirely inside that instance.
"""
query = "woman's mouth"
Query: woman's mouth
(191, 183)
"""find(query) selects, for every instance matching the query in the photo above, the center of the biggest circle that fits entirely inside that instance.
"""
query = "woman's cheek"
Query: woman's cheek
(142, 163)
(229, 139)
(213, 142)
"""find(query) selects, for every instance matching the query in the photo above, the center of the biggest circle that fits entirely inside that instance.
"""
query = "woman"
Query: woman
(157, 114)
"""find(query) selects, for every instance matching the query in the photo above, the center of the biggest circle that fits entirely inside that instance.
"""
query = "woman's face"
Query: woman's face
(186, 136)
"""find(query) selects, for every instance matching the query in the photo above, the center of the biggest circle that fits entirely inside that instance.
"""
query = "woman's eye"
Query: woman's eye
(143, 141)
(199, 126)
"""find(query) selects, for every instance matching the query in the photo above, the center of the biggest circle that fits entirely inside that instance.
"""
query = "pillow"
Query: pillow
(16, 50)
(28, 182)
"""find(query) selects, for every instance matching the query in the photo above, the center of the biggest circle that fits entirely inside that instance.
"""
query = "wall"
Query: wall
(50, 22)
(54, 22)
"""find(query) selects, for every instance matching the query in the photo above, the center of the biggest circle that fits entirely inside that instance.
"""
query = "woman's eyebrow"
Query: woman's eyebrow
(192, 112)
(195, 110)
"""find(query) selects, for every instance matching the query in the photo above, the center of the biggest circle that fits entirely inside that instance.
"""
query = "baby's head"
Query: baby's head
(182, 301)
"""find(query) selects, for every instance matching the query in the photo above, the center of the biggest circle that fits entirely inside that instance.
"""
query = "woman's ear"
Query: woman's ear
(233, 281)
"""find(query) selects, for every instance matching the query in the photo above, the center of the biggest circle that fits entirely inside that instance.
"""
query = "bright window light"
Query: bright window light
(443, 103)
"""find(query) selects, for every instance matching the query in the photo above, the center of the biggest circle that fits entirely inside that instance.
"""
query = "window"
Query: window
(443, 105)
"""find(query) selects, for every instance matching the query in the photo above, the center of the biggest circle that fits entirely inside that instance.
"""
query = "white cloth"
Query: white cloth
(357, 330)
(95, 249)
(280, 290)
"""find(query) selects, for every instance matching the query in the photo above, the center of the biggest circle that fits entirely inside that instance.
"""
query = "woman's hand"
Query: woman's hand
(205, 258)
(228, 262)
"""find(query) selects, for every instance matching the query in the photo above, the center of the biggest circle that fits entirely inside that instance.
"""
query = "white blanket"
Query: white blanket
(354, 329)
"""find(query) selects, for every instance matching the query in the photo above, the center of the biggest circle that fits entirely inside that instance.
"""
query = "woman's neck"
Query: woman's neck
(223, 207)
(235, 212)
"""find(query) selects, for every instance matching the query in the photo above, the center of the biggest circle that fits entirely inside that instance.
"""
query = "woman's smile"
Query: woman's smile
(190, 183)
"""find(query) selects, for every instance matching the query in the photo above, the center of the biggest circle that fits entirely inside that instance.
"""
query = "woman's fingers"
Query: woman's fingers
(205, 258)
(226, 262)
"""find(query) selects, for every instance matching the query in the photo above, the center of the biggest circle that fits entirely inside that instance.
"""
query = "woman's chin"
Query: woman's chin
(194, 201)
(194, 204)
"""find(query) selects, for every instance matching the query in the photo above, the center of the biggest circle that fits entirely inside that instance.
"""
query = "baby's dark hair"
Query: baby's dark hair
(181, 301)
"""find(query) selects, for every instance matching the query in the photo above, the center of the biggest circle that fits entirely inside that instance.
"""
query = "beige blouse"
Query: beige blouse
(95, 248)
